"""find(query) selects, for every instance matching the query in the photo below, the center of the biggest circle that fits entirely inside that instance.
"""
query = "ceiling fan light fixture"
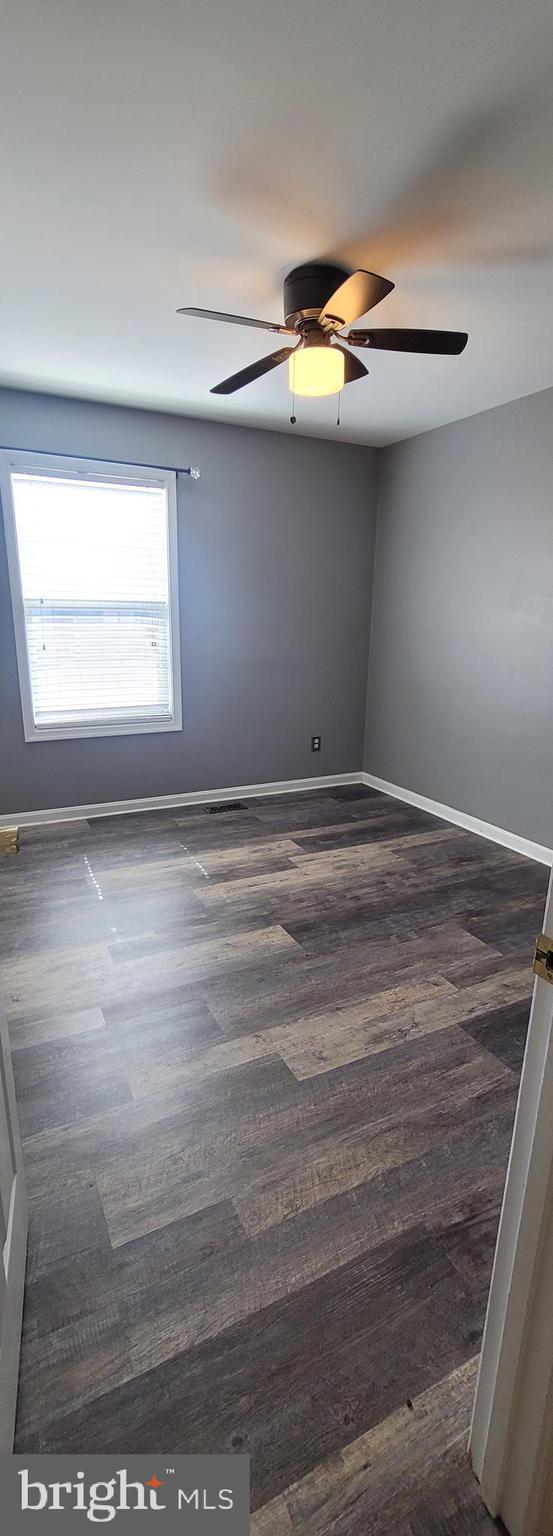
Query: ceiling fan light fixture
(321, 301)
(316, 371)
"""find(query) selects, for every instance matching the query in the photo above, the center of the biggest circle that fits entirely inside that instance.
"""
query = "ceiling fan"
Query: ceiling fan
(320, 299)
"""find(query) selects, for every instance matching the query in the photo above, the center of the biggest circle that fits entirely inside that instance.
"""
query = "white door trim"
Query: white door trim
(511, 1438)
(13, 1221)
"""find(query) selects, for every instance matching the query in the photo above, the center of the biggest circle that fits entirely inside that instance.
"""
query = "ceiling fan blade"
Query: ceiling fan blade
(255, 371)
(216, 314)
(442, 343)
(353, 367)
(355, 297)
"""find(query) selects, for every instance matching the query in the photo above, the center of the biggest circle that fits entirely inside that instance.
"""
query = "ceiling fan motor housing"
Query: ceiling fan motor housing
(308, 288)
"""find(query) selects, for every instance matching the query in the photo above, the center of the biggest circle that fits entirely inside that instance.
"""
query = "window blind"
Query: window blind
(94, 564)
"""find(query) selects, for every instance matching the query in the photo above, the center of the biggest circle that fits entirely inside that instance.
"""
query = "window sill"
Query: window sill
(83, 732)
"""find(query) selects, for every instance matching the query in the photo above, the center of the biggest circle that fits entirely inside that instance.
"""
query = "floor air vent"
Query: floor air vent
(225, 805)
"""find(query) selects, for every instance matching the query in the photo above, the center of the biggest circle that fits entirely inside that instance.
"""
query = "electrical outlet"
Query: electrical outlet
(315, 743)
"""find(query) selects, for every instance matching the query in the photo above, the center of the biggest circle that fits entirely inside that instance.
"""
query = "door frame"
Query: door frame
(511, 1438)
(13, 1256)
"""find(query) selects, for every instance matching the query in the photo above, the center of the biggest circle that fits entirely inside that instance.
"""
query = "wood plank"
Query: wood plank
(161, 1027)
(370, 1485)
(76, 1284)
(269, 997)
(303, 1040)
(262, 890)
(201, 1119)
(65, 1080)
(392, 1018)
(38, 1029)
(62, 1227)
(330, 1167)
(503, 1031)
(64, 977)
(199, 1162)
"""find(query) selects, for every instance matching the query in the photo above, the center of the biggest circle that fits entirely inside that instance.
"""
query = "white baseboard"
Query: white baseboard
(511, 840)
(190, 797)
(286, 787)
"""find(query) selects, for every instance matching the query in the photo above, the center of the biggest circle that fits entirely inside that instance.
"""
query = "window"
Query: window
(93, 573)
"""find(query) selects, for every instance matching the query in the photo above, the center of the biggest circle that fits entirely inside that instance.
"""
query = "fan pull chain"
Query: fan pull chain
(293, 416)
(339, 416)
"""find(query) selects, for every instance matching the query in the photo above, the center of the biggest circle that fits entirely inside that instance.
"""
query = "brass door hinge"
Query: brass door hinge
(9, 839)
(543, 958)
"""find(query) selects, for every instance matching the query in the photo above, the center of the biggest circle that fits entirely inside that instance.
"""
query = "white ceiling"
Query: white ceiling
(155, 153)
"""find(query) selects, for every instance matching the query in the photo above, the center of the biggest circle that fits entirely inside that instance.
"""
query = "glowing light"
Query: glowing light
(316, 371)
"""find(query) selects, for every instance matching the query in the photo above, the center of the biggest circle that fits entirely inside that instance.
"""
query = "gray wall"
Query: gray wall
(459, 703)
(275, 567)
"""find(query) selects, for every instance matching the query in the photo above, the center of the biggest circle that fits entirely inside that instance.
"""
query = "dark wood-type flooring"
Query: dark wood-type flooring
(267, 1064)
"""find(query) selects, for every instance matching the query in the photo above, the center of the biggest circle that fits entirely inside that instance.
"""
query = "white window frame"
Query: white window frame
(20, 461)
